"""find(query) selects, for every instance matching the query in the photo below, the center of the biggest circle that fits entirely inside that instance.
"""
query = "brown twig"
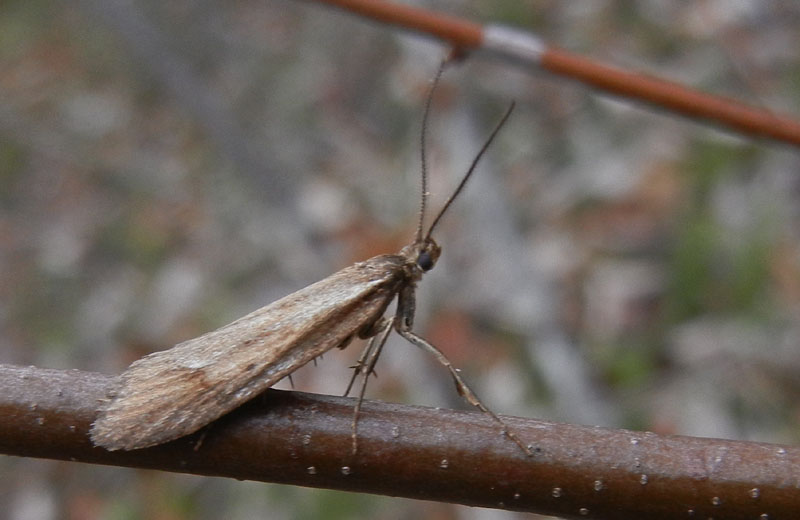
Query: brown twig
(423, 453)
(527, 50)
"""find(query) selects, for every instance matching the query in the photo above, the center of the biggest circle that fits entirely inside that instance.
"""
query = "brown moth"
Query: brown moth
(175, 392)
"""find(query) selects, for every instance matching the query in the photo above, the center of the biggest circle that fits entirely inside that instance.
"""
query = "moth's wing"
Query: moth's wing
(172, 393)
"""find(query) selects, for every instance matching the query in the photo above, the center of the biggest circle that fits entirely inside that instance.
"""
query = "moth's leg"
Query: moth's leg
(357, 368)
(461, 386)
(406, 307)
(372, 332)
(203, 433)
(366, 365)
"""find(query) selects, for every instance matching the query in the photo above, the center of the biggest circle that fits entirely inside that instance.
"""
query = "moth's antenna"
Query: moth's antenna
(471, 168)
(424, 183)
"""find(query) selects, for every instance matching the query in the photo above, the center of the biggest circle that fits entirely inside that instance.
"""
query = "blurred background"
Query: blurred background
(167, 167)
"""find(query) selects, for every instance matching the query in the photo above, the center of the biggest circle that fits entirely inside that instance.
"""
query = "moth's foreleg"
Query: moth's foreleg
(366, 366)
(463, 390)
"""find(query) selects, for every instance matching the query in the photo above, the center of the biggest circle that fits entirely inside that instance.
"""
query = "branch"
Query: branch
(527, 50)
(423, 453)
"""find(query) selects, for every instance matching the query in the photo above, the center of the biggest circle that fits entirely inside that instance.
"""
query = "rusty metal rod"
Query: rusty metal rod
(527, 50)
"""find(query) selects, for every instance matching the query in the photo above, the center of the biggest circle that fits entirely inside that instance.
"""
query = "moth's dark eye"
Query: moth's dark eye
(425, 261)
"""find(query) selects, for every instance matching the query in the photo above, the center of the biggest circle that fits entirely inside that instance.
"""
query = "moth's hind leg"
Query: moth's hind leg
(463, 390)
(366, 365)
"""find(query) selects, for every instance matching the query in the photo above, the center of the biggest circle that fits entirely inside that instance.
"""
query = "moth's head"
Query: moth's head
(423, 253)
(428, 254)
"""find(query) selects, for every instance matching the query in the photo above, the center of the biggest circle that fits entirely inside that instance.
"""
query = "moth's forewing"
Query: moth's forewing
(175, 392)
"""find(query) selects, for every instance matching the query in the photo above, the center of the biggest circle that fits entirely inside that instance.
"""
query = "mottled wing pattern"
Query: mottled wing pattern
(172, 393)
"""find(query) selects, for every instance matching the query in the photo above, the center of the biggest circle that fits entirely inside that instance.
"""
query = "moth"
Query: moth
(175, 392)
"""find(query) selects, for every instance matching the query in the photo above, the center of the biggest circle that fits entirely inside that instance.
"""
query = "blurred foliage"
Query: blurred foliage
(709, 274)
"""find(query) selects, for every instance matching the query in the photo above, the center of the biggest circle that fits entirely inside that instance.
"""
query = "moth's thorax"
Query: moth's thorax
(421, 256)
